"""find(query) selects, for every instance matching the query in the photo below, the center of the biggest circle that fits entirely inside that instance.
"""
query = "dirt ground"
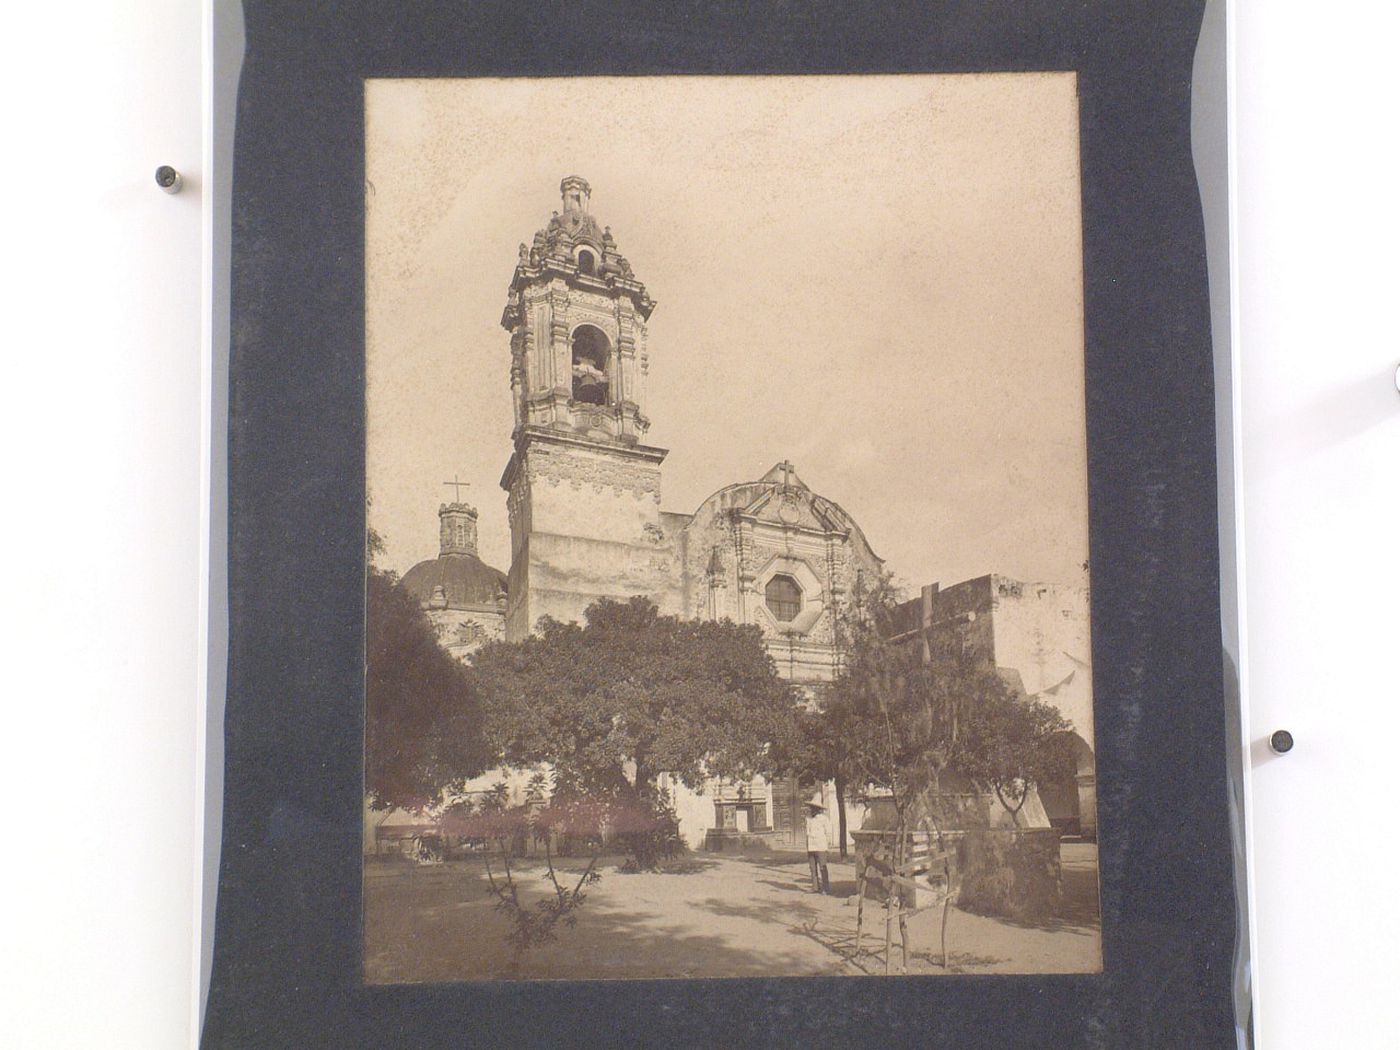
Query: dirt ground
(712, 916)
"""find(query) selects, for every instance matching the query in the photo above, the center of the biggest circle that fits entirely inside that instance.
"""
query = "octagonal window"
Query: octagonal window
(783, 597)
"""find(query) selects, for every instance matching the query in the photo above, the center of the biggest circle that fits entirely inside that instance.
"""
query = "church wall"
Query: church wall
(579, 492)
(462, 631)
(961, 614)
(695, 811)
(1038, 630)
(586, 524)
(519, 614)
(1042, 630)
(568, 573)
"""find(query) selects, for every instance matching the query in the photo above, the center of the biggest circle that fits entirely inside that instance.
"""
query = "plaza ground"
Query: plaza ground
(709, 916)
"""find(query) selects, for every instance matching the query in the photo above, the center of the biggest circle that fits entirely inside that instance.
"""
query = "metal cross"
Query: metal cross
(457, 487)
(787, 474)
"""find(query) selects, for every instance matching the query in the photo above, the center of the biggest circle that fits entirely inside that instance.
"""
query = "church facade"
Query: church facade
(584, 499)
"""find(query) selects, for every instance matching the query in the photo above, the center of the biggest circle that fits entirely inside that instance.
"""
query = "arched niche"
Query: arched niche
(1069, 802)
(590, 351)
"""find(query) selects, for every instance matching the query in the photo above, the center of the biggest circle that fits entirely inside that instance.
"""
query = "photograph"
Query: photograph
(727, 548)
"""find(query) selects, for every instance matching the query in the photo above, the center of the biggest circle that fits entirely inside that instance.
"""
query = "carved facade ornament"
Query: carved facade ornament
(578, 471)
(789, 510)
(471, 633)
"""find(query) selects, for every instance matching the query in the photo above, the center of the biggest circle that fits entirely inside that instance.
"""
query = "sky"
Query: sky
(878, 278)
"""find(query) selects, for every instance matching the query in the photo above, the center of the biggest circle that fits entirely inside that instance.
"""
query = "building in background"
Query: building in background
(1037, 635)
(464, 597)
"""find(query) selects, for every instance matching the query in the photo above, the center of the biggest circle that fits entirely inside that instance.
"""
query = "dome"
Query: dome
(465, 581)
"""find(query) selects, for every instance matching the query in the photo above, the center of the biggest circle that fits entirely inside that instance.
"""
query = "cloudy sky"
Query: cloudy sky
(878, 278)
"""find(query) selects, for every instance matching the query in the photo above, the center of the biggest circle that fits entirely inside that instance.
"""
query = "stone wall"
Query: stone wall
(585, 524)
(1042, 631)
(1010, 874)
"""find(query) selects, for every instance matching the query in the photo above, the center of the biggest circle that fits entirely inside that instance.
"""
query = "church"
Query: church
(584, 498)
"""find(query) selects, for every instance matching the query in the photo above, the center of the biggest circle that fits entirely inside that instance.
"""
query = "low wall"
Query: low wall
(729, 840)
(1009, 873)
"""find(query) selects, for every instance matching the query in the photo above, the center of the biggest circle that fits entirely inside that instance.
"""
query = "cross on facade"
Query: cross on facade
(787, 474)
(457, 487)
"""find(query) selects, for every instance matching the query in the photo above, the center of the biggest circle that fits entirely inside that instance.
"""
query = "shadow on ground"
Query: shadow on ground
(441, 924)
(1079, 900)
(705, 916)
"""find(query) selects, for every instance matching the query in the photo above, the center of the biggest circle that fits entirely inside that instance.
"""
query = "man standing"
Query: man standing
(818, 842)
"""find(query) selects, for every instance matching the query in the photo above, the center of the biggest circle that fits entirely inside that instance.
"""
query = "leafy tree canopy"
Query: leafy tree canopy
(907, 720)
(1013, 742)
(423, 725)
(630, 694)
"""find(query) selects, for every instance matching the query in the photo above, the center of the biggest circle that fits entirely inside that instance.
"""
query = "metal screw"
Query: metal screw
(1281, 742)
(168, 179)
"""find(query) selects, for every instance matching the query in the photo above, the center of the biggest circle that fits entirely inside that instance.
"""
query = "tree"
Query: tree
(826, 742)
(424, 730)
(630, 694)
(887, 712)
(493, 819)
(1014, 742)
(915, 717)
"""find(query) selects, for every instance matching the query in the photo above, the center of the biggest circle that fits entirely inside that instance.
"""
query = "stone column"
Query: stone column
(519, 344)
(561, 374)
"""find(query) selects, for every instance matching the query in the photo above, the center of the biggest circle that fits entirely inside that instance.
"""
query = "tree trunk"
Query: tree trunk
(1015, 813)
(841, 814)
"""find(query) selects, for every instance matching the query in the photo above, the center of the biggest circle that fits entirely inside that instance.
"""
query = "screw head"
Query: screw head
(1281, 742)
(168, 179)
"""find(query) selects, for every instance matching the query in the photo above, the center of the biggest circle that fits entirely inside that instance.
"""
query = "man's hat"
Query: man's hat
(816, 802)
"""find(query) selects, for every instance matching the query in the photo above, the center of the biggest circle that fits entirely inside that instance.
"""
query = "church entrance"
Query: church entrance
(787, 814)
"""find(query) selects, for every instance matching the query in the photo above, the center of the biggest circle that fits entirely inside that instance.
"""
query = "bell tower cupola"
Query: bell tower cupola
(576, 192)
(577, 317)
(584, 488)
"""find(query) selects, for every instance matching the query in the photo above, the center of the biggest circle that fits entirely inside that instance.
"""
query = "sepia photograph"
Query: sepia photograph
(727, 555)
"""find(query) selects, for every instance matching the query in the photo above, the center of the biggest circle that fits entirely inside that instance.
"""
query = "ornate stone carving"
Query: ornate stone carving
(515, 501)
(471, 633)
(600, 473)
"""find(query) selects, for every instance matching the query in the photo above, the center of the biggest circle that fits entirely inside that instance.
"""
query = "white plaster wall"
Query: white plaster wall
(1042, 631)
(568, 573)
(586, 524)
(694, 809)
(573, 492)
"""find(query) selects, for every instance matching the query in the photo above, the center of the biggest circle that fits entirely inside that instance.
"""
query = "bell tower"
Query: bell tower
(584, 491)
